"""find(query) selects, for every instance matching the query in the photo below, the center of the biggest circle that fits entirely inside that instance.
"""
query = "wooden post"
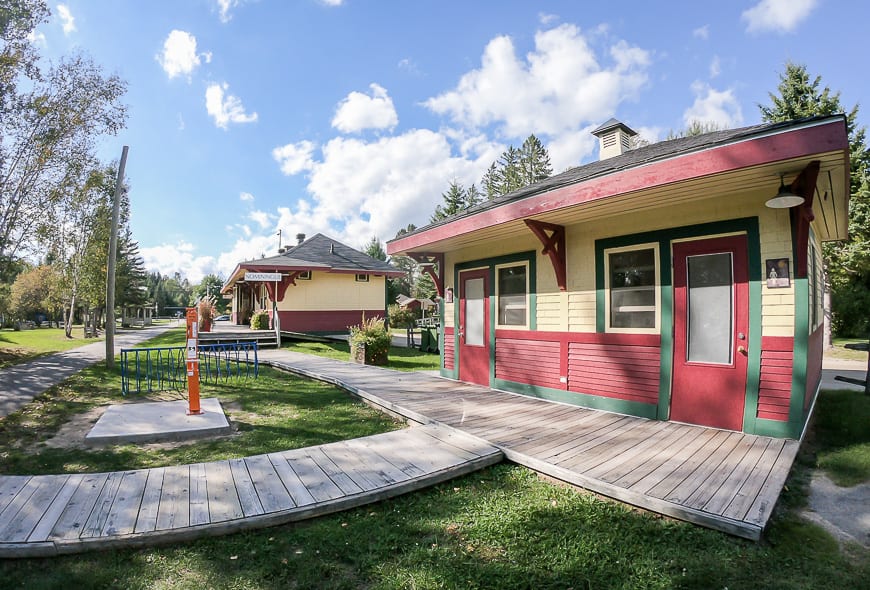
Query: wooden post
(110, 271)
(192, 362)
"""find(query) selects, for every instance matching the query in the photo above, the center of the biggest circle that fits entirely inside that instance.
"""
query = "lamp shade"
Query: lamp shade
(784, 198)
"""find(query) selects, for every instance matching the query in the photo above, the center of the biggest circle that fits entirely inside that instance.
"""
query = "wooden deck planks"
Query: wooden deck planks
(146, 521)
(273, 496)
(247, 493)
(199, 511)
(23, 514)
(78, 509)
(223, 499)
(174, 509)
(124, 511)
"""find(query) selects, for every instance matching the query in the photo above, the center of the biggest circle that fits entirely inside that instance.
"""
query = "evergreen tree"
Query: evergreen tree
(375, 249)
(454, 202)
(473, 196)
(847, 264)
(510, 176)
(534, 162)
(490, 182)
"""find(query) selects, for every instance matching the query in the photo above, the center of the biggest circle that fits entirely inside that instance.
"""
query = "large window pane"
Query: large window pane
(474, 312)
(512, 291)
(711, 308)
(633, 289)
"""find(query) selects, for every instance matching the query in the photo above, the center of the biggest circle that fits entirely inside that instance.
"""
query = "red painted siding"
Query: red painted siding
(620, 366)
(448, 349)
(325, 321)
(528, 361)
(815, 348)
(774, 391)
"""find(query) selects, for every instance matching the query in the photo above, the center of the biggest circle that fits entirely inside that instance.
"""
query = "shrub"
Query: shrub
(370, 342)
(401, 317)
(205, 309)
(260, 320)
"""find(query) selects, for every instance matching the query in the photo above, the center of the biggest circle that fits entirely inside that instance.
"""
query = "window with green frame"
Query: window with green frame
(632, 279)
(513, 289)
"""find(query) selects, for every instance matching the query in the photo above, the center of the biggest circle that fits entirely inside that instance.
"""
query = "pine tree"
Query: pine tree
(473, 196)
(375, 249)
(534, 162)
(510, 176)
(847, 264)
(490, 182)
(454, 202)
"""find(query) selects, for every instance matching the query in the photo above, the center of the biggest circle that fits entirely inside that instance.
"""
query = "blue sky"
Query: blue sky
(350, 117)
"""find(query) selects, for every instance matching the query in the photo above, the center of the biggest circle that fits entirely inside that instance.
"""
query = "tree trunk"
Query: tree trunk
(69, 318)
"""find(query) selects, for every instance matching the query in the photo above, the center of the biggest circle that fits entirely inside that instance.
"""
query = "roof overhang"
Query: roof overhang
(749, 164)
(238, 274)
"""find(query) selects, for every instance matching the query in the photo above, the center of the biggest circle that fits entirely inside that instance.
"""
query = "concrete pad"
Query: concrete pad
(157, 421)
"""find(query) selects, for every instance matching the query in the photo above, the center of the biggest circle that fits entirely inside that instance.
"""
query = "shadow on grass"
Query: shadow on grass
(843, 436)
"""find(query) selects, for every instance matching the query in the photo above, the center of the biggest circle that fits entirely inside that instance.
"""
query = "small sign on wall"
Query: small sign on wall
(777, 274)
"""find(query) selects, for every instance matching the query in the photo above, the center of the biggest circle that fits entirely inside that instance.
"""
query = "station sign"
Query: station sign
(262, 276)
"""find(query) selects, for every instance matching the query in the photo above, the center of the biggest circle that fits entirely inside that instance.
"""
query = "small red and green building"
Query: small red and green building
(661, 282)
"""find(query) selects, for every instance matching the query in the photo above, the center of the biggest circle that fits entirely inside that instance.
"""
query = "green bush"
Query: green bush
(850, 307)
(260, 320)
(401, 317)
(370, 342)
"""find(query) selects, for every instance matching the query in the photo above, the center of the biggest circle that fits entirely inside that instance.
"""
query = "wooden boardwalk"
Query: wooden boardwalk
(720, 479)
(54, 514)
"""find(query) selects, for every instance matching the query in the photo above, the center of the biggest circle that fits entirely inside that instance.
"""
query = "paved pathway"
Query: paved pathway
(19, 384)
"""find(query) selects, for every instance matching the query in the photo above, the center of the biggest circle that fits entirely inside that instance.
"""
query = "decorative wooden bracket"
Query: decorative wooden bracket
(801, 216)
(432, 263)
(285, 282)
(554, 246)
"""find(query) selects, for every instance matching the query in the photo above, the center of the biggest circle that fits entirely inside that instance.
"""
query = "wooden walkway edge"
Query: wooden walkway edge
(47, 515)
(727, 481)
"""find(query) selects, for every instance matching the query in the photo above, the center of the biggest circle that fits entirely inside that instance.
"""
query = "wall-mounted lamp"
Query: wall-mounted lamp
(784, 198)
(448, 295)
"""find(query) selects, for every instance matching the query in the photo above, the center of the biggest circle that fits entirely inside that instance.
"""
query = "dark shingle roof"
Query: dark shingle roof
(322, 252)
(631, 159)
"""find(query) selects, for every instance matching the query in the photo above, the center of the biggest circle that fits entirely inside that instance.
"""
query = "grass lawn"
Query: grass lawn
(842, 428)
(20, 346)
(499, 528)
(401, 358)
(275, 412)
(839, 350)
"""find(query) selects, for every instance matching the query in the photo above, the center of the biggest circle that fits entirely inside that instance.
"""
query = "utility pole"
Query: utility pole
(113, 255)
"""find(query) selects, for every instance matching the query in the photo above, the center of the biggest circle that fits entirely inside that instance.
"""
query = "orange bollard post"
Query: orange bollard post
(192, 362)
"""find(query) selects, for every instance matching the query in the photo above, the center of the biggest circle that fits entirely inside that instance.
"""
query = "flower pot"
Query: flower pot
(366, 355)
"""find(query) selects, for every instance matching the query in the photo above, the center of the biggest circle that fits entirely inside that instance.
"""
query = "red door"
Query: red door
(474, 326)
(711, 332)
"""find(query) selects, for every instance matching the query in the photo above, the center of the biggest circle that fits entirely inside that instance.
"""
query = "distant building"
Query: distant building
(325, 286)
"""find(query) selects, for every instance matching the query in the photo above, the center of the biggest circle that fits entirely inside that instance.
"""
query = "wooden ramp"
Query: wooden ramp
(52, 514)
(720, 479)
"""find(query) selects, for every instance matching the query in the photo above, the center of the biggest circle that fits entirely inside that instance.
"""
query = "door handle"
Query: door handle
(741, 349)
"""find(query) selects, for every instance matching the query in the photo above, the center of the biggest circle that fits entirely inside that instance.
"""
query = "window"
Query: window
(631, 286)
(305, 275)
(362, 278)
(513, 291)
(815, 286)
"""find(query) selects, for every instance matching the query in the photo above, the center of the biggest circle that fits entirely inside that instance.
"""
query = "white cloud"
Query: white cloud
(180, 122)
(226, 108)
(715, 67)
(179, 56)
(408, 65)
(246, 197)
(547, 19)
(168, 259)
(224, 7)
(66, 19)
(713, 106)
(332, 2)
(702, 32)
(262, 218)
(360, 111)
(360, 189)
(294, 157)
(780, 16)
(561, 86)
(36, 38)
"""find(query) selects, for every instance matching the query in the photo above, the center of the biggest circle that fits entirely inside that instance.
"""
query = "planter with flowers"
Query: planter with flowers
(370, 342)
(205, 309)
